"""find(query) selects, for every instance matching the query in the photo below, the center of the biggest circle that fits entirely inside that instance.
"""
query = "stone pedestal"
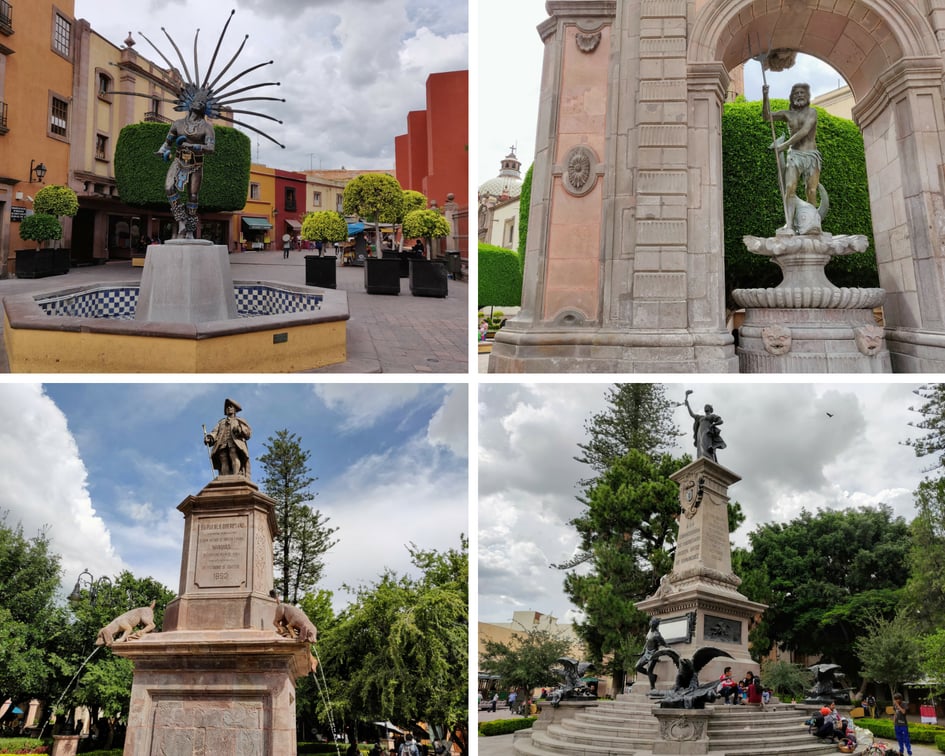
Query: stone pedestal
(815, 340)
(682, 731)
(698, 602)
(219, 679)
(65, 745)
(226, 567)
(186, 281)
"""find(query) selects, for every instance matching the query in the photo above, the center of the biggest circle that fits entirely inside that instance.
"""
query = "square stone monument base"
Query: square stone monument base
(213, 692)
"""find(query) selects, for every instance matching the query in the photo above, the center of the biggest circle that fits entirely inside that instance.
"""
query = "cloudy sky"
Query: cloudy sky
(103, 467)
(788, 452)
(350, 71)
(510, 56)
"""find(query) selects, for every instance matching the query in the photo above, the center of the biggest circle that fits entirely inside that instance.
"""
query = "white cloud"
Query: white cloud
(449, 425)
(43, 482)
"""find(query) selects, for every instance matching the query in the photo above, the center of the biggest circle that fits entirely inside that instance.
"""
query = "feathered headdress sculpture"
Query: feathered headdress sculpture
(216, 99)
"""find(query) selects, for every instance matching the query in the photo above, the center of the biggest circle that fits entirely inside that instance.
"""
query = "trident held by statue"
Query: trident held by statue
(762, 58)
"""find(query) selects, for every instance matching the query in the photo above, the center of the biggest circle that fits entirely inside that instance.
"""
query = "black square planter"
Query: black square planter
(39, 263)
(321, 271)
(428, 278)
(381, 276)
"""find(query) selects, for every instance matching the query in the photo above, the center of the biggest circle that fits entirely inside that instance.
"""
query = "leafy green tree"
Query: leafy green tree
(304, 535)
(413, 200)
(788, 681)
(890, 651)
(426, 224)
(526, 662)
(823, 576)
(56, 199)
(324, 226)
(925, 589)
(627, 531)
(40, 228)
(400, 650)
(29, 578)
(932, 442)
(638, 416)
(752, 200)
(933, 660)
(377, 197)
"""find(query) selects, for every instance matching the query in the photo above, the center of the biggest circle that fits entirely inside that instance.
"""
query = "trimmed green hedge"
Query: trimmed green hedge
(140, 173)
(918, 733)
(524, 205)
(505, 726)
(500, 277)
(752, 200)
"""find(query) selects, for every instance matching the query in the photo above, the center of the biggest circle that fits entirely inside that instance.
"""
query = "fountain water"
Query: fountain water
(66, 690)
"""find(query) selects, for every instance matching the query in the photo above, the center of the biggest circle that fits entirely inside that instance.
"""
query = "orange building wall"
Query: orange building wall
(433, 156)
(27, 78)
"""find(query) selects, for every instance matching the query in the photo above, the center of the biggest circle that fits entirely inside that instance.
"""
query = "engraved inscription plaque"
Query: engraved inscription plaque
(221, 552)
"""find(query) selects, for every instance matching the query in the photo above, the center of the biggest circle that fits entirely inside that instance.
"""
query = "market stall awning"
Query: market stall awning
(256, 224)
(293, 224)
(355, 228)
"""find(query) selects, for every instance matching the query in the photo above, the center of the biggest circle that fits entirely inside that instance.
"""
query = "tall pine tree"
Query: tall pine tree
(304, 535)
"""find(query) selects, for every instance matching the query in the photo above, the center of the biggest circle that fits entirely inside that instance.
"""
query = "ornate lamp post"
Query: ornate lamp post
(87, 582)
(38, 170)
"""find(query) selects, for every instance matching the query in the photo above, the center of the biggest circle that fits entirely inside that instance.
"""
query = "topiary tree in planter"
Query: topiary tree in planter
(413, 200)
(426, 224)
(40, 227)
(377, 197)
(56, 200)
(324, 226)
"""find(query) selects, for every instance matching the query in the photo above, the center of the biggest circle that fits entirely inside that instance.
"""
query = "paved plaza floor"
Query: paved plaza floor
(386, 333)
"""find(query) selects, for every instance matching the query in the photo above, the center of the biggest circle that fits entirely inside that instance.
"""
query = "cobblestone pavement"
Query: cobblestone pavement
(386, 333)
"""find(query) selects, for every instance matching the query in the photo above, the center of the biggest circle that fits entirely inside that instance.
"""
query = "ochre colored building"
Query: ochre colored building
(36, 63)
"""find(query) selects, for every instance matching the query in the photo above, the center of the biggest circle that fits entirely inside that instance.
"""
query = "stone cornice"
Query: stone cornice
(905, 74)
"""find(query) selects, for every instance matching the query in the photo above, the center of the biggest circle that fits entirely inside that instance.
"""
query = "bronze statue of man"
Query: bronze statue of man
(802, 158)
(654, 641)
(705, 431)
(193, 137)
(227, 442)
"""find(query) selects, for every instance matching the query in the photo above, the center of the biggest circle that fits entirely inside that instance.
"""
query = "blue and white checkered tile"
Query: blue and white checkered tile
(117, 303)
(266, 300)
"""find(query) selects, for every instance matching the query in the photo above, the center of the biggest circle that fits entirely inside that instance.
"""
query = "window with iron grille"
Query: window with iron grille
(289, 198)
(253, 190)
(6, 16)
(59, 117)
(104, 84)
(101, 147)
(62, 35)
(316, 199)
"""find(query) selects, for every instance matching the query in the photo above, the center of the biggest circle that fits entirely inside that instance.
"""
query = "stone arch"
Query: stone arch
(889, 55)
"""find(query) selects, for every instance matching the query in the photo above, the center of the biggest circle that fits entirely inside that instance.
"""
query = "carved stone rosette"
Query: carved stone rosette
(579, 171)
(587, 42)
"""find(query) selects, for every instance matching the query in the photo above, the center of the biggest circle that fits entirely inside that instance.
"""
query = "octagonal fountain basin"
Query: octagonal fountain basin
(279, 328)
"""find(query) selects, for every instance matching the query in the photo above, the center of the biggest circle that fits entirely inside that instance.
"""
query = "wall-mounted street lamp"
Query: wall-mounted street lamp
(39, 171)
(86, 582)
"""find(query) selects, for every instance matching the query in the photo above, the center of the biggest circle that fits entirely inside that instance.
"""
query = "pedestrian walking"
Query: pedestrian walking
(901, 725)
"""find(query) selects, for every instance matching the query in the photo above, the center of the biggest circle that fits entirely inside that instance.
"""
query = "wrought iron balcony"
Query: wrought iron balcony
(3, 118)
(154, 117)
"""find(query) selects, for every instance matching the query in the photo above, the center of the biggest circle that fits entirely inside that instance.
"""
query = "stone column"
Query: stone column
(702, 591)
(219, 679)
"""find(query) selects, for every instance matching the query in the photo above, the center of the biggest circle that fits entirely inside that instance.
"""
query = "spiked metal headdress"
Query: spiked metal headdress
(214, 99)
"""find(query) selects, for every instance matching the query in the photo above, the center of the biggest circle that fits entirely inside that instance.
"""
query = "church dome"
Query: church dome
(508, 184)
